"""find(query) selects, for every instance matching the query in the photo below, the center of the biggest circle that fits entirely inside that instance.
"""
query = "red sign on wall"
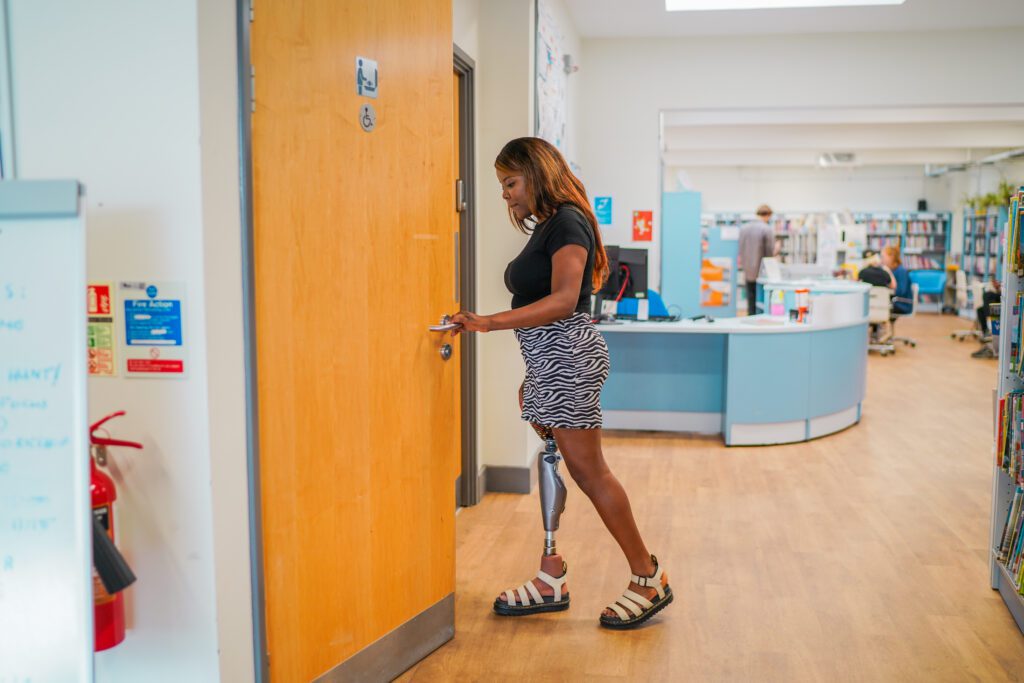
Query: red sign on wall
(156, 365)
(99, 300)
(643, 226)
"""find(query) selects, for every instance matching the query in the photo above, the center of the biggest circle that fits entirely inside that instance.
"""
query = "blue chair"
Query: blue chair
(931, 283)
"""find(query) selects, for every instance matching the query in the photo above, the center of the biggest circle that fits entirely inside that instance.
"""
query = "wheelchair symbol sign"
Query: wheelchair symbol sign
(367, 117)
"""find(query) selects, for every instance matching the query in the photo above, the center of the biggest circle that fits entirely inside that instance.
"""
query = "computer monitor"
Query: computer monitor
(633, 267)
(627, 276)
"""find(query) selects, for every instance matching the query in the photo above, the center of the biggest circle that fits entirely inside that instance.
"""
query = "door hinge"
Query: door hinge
(252, 12)
(252, 88)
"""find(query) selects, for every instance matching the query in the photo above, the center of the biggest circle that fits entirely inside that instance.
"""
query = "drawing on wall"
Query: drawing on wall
(552, 100)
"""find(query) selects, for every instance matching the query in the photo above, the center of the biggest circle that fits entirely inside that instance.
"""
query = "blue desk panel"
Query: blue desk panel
(838, 365)
(766, 387)
(665, 372)
(768, 378)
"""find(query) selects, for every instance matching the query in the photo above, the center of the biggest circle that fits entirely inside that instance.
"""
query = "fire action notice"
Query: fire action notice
(154, 329)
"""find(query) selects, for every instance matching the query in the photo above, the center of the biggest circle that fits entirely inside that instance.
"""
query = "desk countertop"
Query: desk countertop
(817, 286)
(758, 324)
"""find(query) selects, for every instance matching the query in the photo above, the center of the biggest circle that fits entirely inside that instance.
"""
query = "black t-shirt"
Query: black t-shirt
(873, 275)
(528, 276)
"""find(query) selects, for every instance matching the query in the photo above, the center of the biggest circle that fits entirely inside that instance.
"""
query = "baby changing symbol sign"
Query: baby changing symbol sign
(366, 77)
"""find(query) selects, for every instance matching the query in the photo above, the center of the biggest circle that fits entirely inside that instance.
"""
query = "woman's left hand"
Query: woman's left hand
(471, 322)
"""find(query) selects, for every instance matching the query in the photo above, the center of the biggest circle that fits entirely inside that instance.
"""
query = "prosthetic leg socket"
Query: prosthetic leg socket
(552, 492)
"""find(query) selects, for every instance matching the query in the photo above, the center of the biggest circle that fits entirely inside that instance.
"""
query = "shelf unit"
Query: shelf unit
(796, 232)
(1003, 483)
(982, 253)
(923, 237)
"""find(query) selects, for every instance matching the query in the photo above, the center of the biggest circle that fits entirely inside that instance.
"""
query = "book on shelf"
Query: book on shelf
(1016, 329)
(1009, 524)
(1013, 238)
(1010, 552)
(1008, 441)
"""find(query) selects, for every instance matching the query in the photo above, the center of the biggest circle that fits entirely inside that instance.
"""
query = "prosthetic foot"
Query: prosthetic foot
(527, 599)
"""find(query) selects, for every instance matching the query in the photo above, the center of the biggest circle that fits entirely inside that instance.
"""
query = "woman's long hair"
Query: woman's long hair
(552, 184)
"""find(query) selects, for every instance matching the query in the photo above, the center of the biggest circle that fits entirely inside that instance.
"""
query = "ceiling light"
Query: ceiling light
(706, 5)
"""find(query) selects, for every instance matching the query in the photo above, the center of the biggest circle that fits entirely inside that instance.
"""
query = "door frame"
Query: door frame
(246, 79)
(469, 486)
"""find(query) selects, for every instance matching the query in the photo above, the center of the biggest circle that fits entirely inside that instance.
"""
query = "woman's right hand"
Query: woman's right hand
(471, 322)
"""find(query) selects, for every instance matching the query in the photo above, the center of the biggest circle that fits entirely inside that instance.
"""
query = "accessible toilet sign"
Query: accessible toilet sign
(154, 335)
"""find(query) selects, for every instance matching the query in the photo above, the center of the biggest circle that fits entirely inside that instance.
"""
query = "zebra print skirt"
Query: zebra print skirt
(566, 366)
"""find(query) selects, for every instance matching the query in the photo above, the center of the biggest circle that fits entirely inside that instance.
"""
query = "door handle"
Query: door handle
(445, 325)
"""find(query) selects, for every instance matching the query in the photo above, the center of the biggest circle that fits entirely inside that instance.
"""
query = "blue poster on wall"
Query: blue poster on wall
(603, 210)
(152, 322)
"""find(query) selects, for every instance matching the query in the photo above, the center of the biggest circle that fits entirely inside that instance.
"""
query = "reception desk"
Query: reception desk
(757, 380)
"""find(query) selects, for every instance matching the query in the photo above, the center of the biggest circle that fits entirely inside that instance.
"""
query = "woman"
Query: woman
(566, 363)
(899, 280)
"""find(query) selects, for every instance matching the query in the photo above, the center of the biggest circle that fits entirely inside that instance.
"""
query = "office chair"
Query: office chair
(971, 303)
(969, 299)
(907, 341)
(879, 319)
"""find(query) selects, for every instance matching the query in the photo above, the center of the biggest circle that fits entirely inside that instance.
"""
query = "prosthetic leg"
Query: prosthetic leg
(552, 488)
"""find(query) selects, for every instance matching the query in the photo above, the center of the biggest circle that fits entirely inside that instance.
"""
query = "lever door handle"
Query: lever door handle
(445, 325)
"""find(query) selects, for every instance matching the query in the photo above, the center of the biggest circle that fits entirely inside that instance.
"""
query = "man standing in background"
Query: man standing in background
(757, 240)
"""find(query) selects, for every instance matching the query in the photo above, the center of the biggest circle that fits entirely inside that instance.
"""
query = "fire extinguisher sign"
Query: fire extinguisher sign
(154, 329)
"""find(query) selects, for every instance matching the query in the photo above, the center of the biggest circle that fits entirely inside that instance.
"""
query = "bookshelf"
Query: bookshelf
(922, 237)
(982, 253)
(796, 232)
(796, 235)
(1007, 534)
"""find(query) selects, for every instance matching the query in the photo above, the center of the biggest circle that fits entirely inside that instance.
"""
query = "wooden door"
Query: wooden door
(354, 258)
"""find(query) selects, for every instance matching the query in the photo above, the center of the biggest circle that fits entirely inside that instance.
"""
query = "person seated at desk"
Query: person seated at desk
(991, 295)
(872, 272)
(903, 293)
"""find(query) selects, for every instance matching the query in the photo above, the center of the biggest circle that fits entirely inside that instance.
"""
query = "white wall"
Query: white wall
(627, 82)
(505, 111)
(499, 35)
(111, 93)
(225, 382)
(885, 188)
(466, 26)
(955, 187)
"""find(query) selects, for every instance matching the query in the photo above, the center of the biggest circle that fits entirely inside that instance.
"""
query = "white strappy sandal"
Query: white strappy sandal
(633, 609)
(527, 599)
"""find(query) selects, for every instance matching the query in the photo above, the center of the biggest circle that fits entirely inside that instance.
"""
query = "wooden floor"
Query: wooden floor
(861, 556)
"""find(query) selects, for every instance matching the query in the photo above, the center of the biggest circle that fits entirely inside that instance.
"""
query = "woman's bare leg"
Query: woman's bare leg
(582, 455)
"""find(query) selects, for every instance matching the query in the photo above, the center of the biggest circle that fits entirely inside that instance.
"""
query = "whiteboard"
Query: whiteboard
(45, 510)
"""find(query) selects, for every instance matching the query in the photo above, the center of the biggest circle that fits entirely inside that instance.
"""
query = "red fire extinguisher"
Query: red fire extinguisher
(108, 608)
